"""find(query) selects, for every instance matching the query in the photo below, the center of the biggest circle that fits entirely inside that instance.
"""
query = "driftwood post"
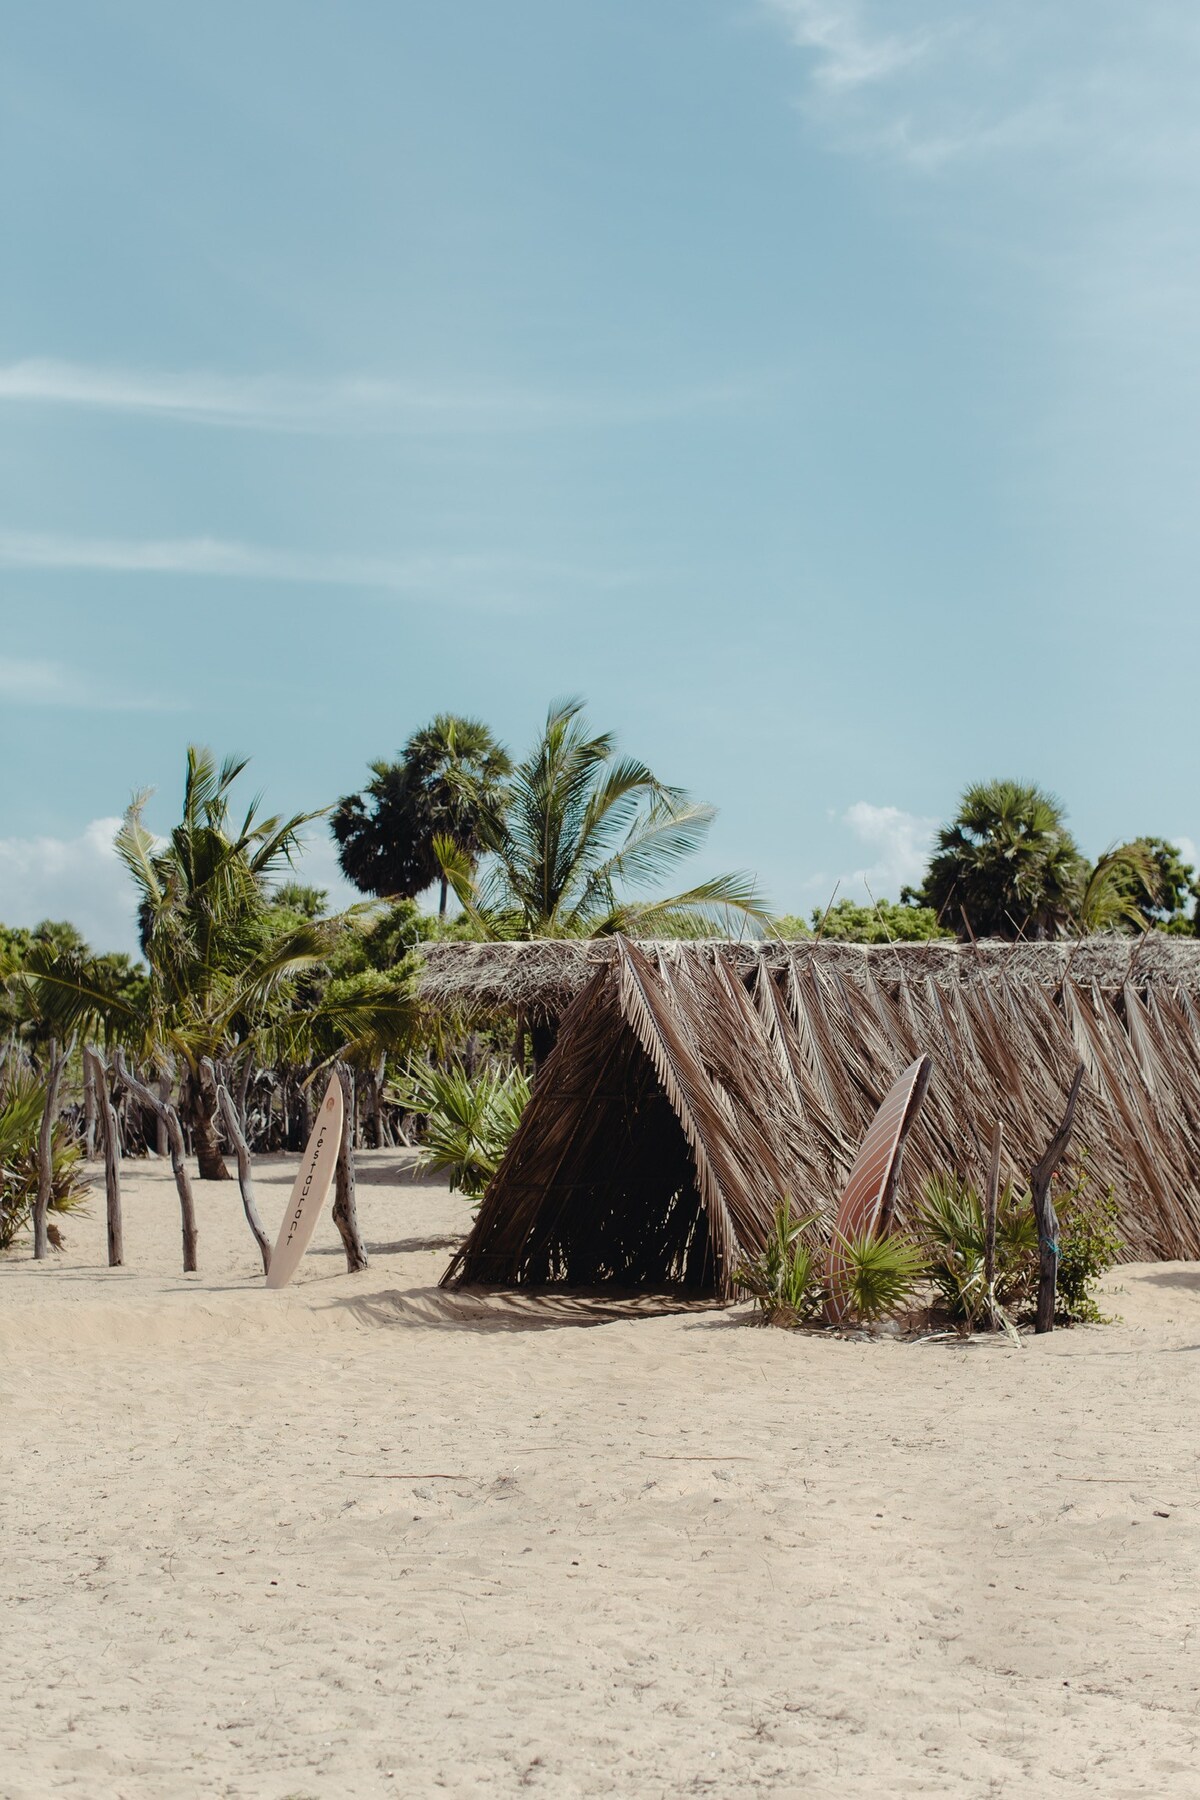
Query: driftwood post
(345, 1209)
(97, 1078)
(45, 1186)
(89, 1111)
(1043, 1208)
(170, 1118)
(991, 1202)
(241, 1150)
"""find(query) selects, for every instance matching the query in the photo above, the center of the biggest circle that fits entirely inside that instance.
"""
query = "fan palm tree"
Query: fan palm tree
(1005, 866)
(449, 782)
(583, 826)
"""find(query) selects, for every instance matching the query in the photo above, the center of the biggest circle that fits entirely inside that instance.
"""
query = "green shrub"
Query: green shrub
(880, 1276)
(1088, 1245)
(21, 1101)
(469, 1120)
(785, 1277)
(950, 1224)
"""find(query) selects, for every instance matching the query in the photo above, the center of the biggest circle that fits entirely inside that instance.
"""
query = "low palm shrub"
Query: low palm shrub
(785, 1277)
(951, 1226)
(880, 1275)
(22, 1097)
(469, 1120)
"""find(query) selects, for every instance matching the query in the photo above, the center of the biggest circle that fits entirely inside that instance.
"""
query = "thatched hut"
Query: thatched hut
(797, 1044)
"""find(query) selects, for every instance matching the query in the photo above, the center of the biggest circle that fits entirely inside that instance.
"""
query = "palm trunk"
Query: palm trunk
(445, 895)
(204, 1128)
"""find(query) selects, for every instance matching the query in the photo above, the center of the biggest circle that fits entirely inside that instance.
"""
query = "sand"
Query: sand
(361, 1538)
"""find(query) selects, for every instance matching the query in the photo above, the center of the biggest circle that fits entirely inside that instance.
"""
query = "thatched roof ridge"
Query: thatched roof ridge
(539, 978)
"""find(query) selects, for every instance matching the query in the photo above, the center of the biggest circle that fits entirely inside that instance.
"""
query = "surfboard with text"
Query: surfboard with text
(310, 1188)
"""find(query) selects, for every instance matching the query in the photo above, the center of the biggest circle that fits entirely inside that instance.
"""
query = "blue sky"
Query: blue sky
(812, 385)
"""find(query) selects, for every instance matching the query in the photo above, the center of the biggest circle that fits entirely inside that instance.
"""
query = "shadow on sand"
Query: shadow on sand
(512, 1309)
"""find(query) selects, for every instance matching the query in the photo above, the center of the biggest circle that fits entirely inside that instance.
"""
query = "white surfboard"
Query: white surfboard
(310, 1188)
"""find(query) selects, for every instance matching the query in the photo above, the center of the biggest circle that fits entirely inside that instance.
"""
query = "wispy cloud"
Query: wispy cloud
(486, 578)
(897, 845)
(30, 682)
(264, 402)
(931, 83)
(848, 52)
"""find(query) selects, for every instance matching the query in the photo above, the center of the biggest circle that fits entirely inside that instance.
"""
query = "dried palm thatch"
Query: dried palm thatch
(660, 1135)
(694, 1084)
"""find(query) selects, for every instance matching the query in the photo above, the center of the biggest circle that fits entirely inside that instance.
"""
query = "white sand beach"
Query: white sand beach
(363, 1538)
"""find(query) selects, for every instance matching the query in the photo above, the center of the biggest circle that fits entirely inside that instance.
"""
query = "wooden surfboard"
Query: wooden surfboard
(866, 1202)
(310, 1188)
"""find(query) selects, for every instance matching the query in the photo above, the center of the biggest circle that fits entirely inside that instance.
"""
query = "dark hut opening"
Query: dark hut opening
(626, 1209)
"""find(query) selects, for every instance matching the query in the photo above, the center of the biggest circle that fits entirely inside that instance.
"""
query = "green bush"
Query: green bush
(1088, 1246)
(21, 1101)
(785, 1277)
(469, 1120)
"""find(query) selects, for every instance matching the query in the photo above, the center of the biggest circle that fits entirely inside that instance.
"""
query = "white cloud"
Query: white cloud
(848, 53)
(79, 878)
(463, 576)
(897, 844)
(341, 403)
(26, 681)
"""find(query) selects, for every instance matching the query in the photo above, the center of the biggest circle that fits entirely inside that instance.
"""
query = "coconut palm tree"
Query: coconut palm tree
(449, 782)
(581, 828)
(1006, 865)
(216, 961)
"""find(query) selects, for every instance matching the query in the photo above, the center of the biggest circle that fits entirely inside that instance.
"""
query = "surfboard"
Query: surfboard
(310, 1188)
(866, 1202)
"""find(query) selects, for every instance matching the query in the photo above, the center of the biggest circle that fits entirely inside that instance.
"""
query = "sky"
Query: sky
(812, 385)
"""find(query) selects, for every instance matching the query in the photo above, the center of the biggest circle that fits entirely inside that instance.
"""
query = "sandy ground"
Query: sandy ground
(361, 1538)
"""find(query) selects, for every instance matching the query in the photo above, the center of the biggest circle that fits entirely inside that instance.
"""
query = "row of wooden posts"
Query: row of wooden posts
(97, 1077)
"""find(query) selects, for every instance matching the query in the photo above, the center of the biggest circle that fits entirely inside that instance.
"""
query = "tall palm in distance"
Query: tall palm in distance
(581, 831)
(1005, 866)
(449, 782)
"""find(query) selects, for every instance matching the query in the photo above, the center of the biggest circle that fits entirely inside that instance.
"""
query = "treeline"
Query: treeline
(249, 986)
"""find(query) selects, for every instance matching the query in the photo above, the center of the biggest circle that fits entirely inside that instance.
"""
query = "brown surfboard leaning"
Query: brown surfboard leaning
(310, 1188)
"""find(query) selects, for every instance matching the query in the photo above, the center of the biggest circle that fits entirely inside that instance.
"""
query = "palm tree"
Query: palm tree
(449, 782)
(217, 960)
(1006, 865)
(581, 827)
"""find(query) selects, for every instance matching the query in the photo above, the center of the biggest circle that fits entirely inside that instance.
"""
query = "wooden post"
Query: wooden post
(89, 1111)
(1043, 1209)
(345, 1208)
(170, 1118)
(162, 1142)
(991, 1204)
(241, 1149)
(45, 1186)
(97, 1076)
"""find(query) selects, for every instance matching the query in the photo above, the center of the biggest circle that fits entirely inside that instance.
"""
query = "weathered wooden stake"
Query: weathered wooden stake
(170, 1118)
(241, 1150)
(1043, 1209)
(89, 1111)
(991, 1202)
(97, 1077)
(45, 1186)
(345, 1208)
